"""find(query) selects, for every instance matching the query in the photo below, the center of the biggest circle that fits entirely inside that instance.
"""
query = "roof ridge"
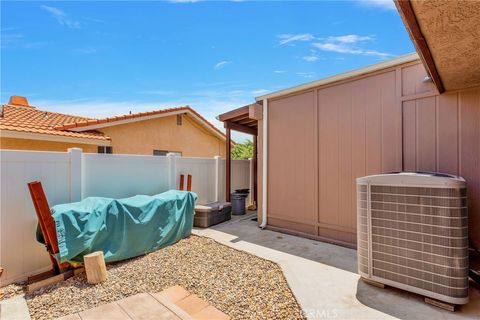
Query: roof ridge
(93, 121)
(34, 108)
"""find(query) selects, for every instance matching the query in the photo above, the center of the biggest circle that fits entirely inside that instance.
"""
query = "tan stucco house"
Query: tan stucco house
(181, 130)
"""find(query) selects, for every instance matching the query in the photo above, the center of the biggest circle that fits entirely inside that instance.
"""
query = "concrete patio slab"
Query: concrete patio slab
(14, 309)
(324, 280)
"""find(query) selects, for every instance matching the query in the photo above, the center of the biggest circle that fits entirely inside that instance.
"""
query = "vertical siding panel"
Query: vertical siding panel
(391, 132)
(373, 126)
(329, 150)
(409, 136)
(469, 104)
(359, 106)
(293, 170)
(426, 134)
(345, 164)
(447, 133)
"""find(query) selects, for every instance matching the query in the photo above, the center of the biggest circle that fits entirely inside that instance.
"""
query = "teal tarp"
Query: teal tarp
(122, 228)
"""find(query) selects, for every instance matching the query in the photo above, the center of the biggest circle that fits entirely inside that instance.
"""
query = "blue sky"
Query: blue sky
(107, 58)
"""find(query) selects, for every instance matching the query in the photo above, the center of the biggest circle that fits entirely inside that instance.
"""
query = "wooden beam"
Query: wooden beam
(234, 114)
(239, 127)
(411, 23)
(255, 111)
(247, 122)
(228, 164)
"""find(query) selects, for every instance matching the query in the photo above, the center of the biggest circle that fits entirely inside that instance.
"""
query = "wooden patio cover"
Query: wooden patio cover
(244, 119)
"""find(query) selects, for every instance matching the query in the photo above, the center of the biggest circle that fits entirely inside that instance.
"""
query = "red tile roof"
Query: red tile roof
(33, 120)
(92, 122)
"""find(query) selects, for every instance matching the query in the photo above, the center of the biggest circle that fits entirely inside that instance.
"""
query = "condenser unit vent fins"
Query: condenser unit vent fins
(412, 233)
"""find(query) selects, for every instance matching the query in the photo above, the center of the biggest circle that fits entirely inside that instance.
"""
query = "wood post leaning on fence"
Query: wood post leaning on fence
(95, 267)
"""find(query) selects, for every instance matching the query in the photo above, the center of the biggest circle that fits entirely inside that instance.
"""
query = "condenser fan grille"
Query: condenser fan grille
(415, 236)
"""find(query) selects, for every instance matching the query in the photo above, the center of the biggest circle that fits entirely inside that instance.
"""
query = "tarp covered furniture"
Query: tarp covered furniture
(120, 228)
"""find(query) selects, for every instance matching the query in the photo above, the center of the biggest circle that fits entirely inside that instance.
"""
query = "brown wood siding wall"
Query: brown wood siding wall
(442, 133)
(322, 139)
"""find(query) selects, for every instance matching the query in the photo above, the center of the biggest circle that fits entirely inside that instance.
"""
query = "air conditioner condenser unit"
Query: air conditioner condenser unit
(412, 233)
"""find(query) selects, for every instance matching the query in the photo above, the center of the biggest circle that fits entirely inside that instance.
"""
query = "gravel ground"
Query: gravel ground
(241, 285)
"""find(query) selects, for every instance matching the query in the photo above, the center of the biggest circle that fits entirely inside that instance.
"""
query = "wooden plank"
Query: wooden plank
(240, 128)
(255, 111)
(55, 279)
(440, 304)
(41, 276)
(411, 23)
(374, 283)
(236, 113)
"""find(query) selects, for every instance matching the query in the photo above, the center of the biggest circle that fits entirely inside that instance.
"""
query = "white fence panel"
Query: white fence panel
(20, 253)
(241, 176)
(121, 176)
(71, 176)
(203, 176)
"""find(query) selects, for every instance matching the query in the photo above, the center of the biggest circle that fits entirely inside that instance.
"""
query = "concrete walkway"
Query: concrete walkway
(324, 280)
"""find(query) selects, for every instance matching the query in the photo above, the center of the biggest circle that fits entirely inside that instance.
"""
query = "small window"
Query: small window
(104, 149)
(160, 152)
(179, 119)
(163, 153)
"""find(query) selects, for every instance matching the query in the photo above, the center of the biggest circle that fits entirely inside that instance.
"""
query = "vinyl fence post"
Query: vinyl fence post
(172, 170)
(75, 174)
(217, 177)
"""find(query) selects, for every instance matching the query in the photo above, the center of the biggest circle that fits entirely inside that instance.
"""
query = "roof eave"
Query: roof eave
(182, 110)
(53, 137)
(341, 76)
(410, 21)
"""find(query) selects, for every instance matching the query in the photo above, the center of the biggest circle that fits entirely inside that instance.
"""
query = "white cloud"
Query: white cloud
(348, 44)
(61, 17)
(279, 71)
(288, 38)
(10, 38)
(383, 4)
(220, 65)
(306, 74)
(259, 92)
(342, 48)
(310, 58)
(350, 38)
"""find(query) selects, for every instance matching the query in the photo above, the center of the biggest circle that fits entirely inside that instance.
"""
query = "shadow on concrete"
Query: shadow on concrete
(406, 305)
(247, 230)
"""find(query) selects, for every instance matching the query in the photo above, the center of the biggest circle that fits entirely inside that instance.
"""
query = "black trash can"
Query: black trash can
(238, 201)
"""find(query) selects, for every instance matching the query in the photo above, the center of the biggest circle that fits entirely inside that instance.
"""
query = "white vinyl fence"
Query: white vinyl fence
(72, 176)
